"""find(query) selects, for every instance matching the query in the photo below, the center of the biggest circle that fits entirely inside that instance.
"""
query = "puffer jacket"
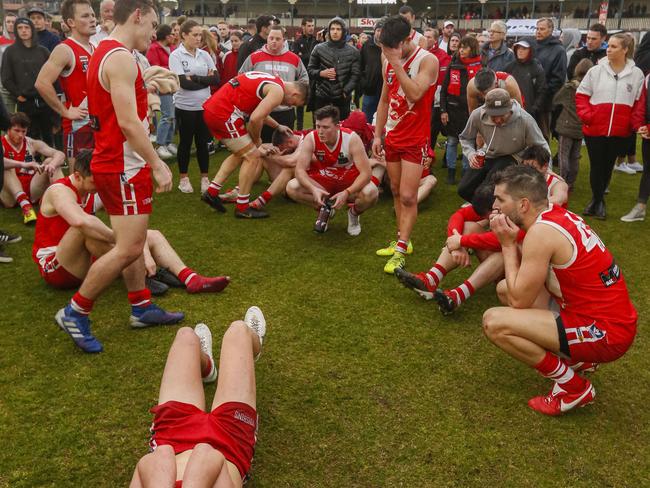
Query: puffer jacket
(641, 112)
(499, 60)
(584, 53)
(568, 123)
(552, 57)
(531, 80)
(340, 56)
(605, 101)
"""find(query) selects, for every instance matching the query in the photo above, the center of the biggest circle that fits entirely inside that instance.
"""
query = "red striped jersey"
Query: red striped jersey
(241, 95)
(73, 83)
(338, 157)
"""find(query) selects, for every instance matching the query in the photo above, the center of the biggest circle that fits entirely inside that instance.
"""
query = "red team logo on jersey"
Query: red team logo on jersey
(84, 63)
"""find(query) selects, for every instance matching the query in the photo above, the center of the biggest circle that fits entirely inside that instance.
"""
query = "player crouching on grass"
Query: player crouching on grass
(194, 447)
(596, 321)
(68, 236)
(333, 170)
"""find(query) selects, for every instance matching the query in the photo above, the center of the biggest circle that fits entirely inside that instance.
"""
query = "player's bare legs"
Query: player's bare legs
(427, 184)
(301, 195)
(279, 178)
(12, 193)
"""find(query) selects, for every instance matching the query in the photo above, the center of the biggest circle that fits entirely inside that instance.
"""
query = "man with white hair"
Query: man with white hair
(106, 15)
(495, 53)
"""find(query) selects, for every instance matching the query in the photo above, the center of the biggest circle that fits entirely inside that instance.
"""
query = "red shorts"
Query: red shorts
(83, 138)
(26, 182)
(230, 428)
(225, 125)
(334, 181)
(56, 275)
(413, 154)
(125, 197)
(595, 341)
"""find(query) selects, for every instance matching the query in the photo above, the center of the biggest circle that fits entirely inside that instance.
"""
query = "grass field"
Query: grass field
(362, 384)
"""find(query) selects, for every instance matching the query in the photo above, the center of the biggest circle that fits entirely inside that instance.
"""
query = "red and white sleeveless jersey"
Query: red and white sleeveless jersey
(591, 283)
(551, 180)
(50, 230)
(24, 153)
(112, 153)
(406, 123)
(337, 159)
(73, 83)
(241, 95)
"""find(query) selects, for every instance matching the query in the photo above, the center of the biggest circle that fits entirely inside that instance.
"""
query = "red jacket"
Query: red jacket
(158, 55)
(443, 62)
(641, 112)
(605, 101)
(229, 67)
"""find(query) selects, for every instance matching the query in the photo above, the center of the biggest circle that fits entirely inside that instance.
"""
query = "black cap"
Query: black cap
(36, 10)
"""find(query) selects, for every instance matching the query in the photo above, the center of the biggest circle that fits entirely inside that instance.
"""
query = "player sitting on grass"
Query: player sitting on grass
(25, 179)
(539, 158)
(194, 447)
(333, 169)
(596, 321)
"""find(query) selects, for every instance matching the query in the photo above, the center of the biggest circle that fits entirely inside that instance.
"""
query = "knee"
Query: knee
(292, 188)
(408, 199)
(237, 331)
(129, 253)
(186, 337)
(492, 324)
(154, 236)
(369, 194)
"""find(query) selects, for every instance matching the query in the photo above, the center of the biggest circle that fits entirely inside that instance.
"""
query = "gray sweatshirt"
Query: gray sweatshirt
(510, 139)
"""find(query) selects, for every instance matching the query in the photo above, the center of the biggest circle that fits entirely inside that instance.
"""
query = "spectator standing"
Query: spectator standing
(303, 46)
(642, 55)
(594, 49)
(251, 30)
(447, 31)
(552, 56)
(335, 68)
(21, 63)
(569, 126)
(495, 53)
(223, 29)
(444, 59)
(6, 40)
(158, 55)
(45, 38)
(604, 102)
(275, 59)
(408, 13)
(570, 39)
(230, 58)
(106, 25)
(371, 78)
(454, 43)
(529, 75)
(453, 99)
(256, 42)
(197, 73)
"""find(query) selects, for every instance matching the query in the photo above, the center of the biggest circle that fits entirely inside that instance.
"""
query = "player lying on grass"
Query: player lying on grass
(192, 446)
(333, 170)
(25, 180)
(427, 183)
(68, 236)
(596, 321)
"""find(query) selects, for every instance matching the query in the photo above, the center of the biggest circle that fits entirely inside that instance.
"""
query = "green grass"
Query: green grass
(362, 384)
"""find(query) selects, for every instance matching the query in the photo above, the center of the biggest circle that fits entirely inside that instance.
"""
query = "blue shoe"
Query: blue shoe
(77, 326)
(153, 315)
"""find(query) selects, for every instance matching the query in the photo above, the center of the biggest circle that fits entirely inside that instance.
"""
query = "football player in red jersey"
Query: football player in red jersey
(68, 63)
(410, 75)
(596, 321)
(539, 158)
(333, 167)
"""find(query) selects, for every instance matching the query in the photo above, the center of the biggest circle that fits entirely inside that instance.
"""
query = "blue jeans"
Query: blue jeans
(165, 131)
(370, 103)
(452, 153)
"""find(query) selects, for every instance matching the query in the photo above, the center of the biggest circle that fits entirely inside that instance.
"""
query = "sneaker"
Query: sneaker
(397, 260)
(637, 214)
(255, 320)
(29, 217)
(167, 277)
(212, 148)
(164, 153)
(230, 196)
(445, 302)
(624, 168)
(185, 186)
(172, 148)
(205, 338)
(77, 326)
(257, 204)
(390, 250)
(4, 258)
(6, 238)
(205, 184)
(419, 283)
(251, 213)
(354, 225)
(636, 166)
(204, 284)
(559, 401)
(152, 137)
(214, 202)
(153, 315)
(156, 287)
(325, 214)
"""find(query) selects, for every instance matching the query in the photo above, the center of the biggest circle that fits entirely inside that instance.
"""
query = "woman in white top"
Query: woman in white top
(197, 72)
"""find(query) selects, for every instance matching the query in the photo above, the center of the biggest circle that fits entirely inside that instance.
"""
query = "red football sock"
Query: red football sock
(214, 189)
(436, 274)
(375, 181)
(205, 371)
(187, 275)
(23, 201)
(141, 298)
(242, 202)
(81, 304)
(557, 369)
(401, 246)
(462, 292)
(266, 197)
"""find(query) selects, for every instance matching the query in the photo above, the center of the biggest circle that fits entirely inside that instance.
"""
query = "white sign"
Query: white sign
(524, 27)
(376, 2)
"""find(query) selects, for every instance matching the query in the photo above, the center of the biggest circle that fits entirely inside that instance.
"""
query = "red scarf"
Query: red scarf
(471, 65)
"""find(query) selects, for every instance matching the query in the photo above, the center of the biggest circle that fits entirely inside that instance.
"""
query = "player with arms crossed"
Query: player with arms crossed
(333, 167)
(117, 104)
(596, 322)
(251, 96)
(410, 75)
(194, 447)
(69, 64)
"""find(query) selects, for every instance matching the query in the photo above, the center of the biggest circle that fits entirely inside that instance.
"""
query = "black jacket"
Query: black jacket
(455, 105)
(303, 47)
(340, 56)
(371, 77)
(20, 67)
(531, 80)
(552, 57)
(247, 48)
(642, 56)
(48, 40)
(583, 53)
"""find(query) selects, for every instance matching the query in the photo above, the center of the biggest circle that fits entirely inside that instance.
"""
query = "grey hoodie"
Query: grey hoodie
(570, 40)
(510, 139)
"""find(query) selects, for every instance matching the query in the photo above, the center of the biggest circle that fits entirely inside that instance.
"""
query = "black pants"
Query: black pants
(286, 117)
(629, 146)
(342, 104)
(436, 127)
(41, 120)
(644, 186)
(300, 117)
(191, 125)
(473, 178)
(602, 156)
